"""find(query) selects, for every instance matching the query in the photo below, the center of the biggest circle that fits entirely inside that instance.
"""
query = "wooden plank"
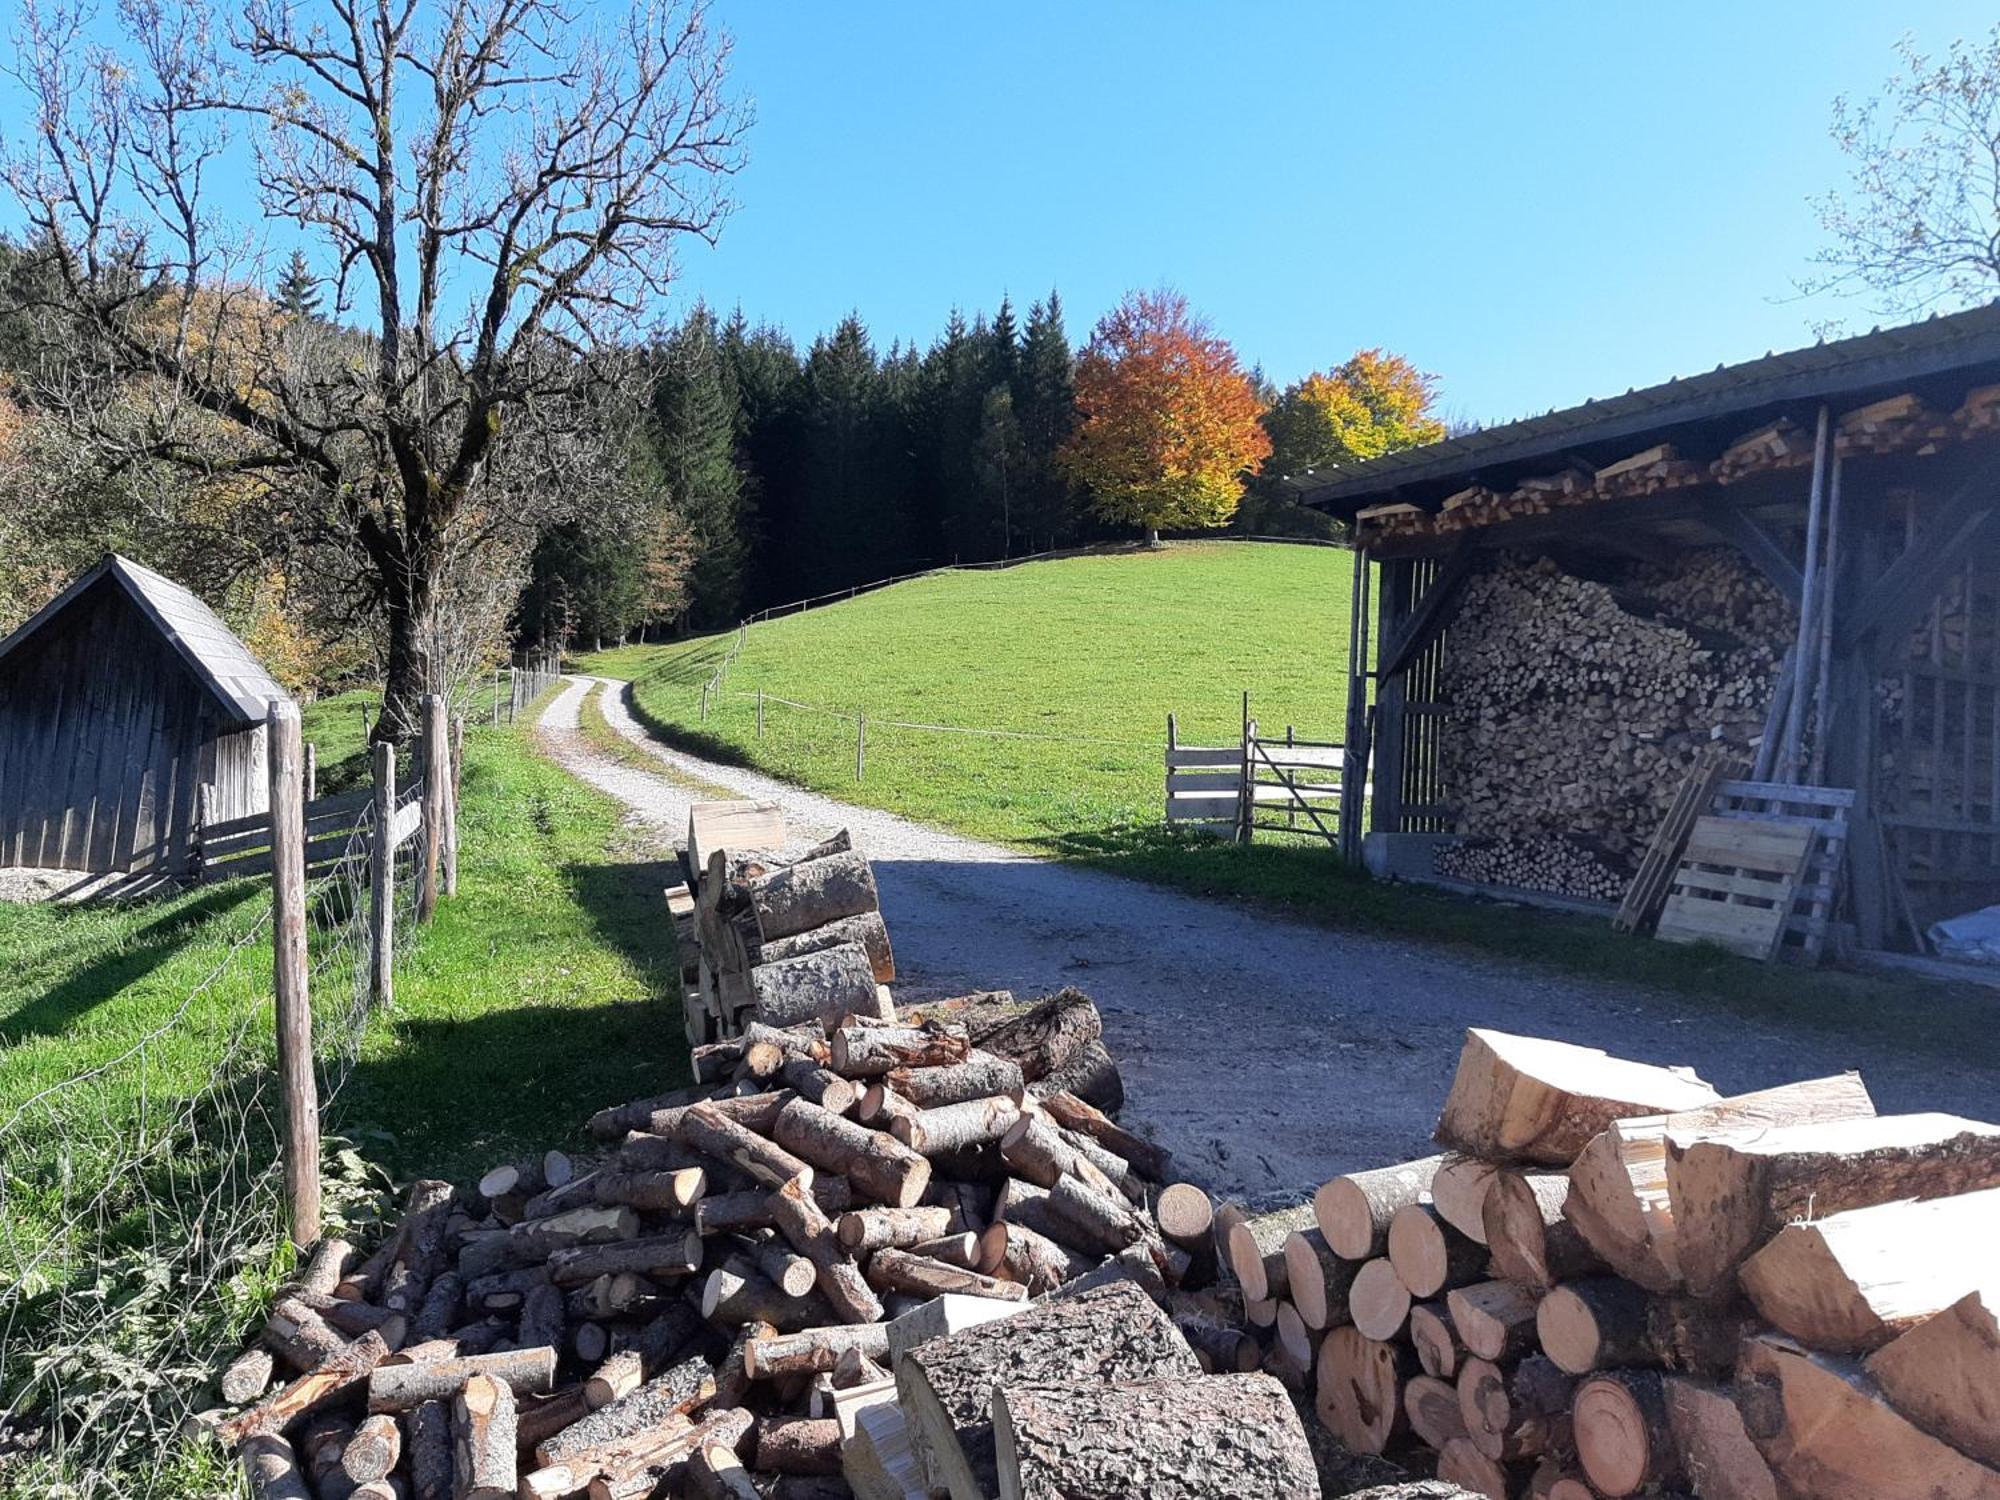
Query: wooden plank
(1196, 756)
(1780, 791)
(741, 826)
(1748, 844)
(1203, 781)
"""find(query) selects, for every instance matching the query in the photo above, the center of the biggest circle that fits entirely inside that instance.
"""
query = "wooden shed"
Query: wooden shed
(122, 702)
(1792, 564)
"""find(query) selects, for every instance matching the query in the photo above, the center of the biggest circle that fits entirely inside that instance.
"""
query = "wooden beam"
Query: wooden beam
(1423, 621)
(1892, 609)
(1759, 547)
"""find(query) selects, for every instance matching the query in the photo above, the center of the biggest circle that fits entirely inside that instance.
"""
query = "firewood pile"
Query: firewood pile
(1578, 704)
(1616, 1282)
(789, 1279)
(1899, 424)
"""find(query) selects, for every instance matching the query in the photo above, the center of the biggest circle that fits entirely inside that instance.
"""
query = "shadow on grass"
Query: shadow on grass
(627, 905)
(142, 952)
(680, 737)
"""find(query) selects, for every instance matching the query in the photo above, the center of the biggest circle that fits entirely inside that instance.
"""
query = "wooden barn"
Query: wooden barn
(1790, 566)
(127, 710)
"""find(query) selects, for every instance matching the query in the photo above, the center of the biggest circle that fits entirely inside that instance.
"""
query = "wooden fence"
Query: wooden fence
(1287, 785)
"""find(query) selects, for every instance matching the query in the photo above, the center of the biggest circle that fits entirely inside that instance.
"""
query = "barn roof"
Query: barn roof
(1736, 397)
(219, 661)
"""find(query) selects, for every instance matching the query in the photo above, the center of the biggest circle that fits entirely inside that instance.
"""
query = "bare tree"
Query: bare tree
(495, 188)
(1920, 227)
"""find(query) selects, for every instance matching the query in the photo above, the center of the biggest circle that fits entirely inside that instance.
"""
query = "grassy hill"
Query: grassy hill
(1069, 668)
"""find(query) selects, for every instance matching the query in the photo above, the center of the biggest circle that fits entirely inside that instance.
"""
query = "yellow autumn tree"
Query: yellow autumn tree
(1374, 403)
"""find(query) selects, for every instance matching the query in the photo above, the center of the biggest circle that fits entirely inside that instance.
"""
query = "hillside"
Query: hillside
(1071, 667)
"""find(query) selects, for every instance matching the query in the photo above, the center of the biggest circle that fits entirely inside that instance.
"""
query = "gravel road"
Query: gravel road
(1267, 1054)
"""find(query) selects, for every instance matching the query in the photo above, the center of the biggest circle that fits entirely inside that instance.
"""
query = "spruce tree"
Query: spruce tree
(834, 539)
(694, 438)
(1001, 462)
(1050, 510)
(298, 289)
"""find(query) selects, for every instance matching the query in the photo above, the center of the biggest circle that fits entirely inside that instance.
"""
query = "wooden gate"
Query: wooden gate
(1287, 785)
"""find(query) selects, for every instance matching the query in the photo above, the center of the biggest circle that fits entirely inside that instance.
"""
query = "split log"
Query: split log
(941, 1317)
(1827, 1432)
(1458, 1190)
(1317, 1280)
(247, 1378)
(1518, 1413)
(952, 1128)
(1435, 1338)
(710, 1131)
(1944, 1375)
(674, 1393)
(1530, 1099)
(1618, 1197)
(1623, 1440)
(959, 1249)
(1712, 1444)
(1855, 1280)
(1227, 1437)
(1495, 1319)
(1039, 1036)
(794, 1445)
(801, 897)
(736, 1213)
(427, 1442)
(1531, 1241)
(660, 1255)
(271, 1469)
(526, 1372)
(374, 1450)
(828, 986)
(866, 928)
(1152, 1161)
(977, 1076)
(1256, 1249)
(1428, 1254)
(309, 1393)
(921, 1276)
(1360, 1388)
(1354, 1211)
(483, 1450)
(1378, 1302)
(876, 1165)
(1430, 1405)
(809, 1351)
(875, 1051)
(863, 1230)
(1017, 1253)
(1731, 1193)
(1114, 1333)
(1090, 1073)
(841, 1282)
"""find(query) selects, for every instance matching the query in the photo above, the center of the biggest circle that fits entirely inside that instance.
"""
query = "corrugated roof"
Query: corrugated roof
(1867, 362)
(221, 662)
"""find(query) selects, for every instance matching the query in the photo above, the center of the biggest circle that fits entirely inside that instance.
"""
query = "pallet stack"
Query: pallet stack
(1616, 1282)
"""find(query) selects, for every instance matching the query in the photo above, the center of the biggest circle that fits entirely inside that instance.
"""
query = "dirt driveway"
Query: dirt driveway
(1267, 1054)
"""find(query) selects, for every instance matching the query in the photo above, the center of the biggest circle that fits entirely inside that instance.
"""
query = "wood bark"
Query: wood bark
(1603, 1321)
(710, 1131)
(1022, 1202)
(427, 1442)
(1428, 1254)
(1495, 1319)
(1101, 1219)
(1039, 1036)
(1518, 1413)
(811, 1350)
(1622, 1437)
(660, 1255)
(1317, 1280)
(876, 1165)
(1090, 1073)
(1231, 1437)
(1359, 1395)
(1712, 1444)
(419, 1253)
(866, 928)
(482, 1429)
(1529, 1099)
(1531, 1241)
(828, 986)
(1353, 1211)
(1731, 1193)
(875, 1051)
(841, 1282)
(301, 1337)
(796, 1445)
(1114, 1333)
(526, 1372)
(1854, 1281)
(977, 1076)
(1827, 1432)
(1257, 1250)
(805, 896)
(1944, 1375)
(1619, 1199)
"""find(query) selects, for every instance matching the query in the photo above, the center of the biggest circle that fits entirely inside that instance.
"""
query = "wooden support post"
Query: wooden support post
(451, 805)
(1354, 755)
(382, 882)
(364, 723)
(1822, 717)
(312, 771)
(1246, 793)
(437, 773)
(1385, 811)
(288, 948)
(1803, 659)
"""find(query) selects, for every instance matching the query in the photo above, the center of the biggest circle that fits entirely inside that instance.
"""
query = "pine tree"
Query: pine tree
(1003, 346)
(767, 385)
(694, 438)
(1001, 461)
(835, 539)
(298, 289)
(1050, 510)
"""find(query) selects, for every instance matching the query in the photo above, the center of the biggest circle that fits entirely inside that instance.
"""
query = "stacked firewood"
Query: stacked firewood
(1617, 1282)
(1578, 704)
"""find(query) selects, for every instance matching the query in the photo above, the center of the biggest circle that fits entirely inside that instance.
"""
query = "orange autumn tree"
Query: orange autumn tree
(1168, 420)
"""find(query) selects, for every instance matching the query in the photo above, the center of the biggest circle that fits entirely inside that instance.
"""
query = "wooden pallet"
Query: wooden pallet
(1736, 884)
(1824, 810)
(1649, 887)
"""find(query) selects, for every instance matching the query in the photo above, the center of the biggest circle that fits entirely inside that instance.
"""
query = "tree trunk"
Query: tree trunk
(407, 590)
(799, 898)
(1226, 1437)
(827, 986)
(946, 1385)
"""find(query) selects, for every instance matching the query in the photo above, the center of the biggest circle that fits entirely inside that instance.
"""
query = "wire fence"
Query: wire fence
(142, 1217)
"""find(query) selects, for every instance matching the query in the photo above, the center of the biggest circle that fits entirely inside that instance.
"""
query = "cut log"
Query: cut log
(1518, 1413)
(790, 1272)
(309, 1393)
(737, 1293)
(1152, 1161)
(736, 1213)
(1428, 1254)
(526, 1372)
(1435, 1338)
(1854, 1281)
(1230, 1437)
(866, 928)
(1223, 1348)
(1495, 1319)
(439, 1313)
(676, 1253)
(419, 1242)
(793, 1445)
(1354, 1211)
(1101, 1220)
(271, 1469)
(876, 1165)
(427, 1442)
(863, 1230)
(1039, 1036)
(812, 1350)
(1020, 1254)
(482, 1432)
(1090, 1073)
(1731, 1193)
(1257, 1250)
(801, 897)
(952, 1128)
(822, 1086)
(1378, 1302)
(1528, 1099)
(922, 1276)
(301, 1337)
(670, 1192)
(617, 1376)
(674, 1393)
(978, 1076)
(1715, 1451)
(841, 1282)
(1317, 1280)
(1827, 1432)
(1431, 1407)
(1359, 1394)
(828, 986)
(715, 1473)
(1022, 1202)
(324, 1268)
(710, 1131)
(374, 1450)
(1603, 1321)
(247, 1378)
(1531, 1241)
(875, 1051)
(1944, 1375)
(1458, 1190)
(1034, 1148)
(1114, 1333)
(1462, 1464)
(542, 1319)
(1622, 1437)
(1618, 1197)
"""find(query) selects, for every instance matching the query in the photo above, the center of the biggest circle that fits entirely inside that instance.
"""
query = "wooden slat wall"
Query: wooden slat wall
(100, 742)
(1425, 799)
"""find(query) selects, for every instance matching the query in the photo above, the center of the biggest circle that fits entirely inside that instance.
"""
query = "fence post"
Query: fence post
(496, 697)
(382, 882)
(513, 692)
(436, 773)
(312, 771)
(288, 952)
(1246, 798)
(860, 744)
(451, 805)
(1173, 739)
(760, 713)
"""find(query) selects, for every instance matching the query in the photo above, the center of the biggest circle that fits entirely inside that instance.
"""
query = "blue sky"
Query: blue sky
(1538, 202)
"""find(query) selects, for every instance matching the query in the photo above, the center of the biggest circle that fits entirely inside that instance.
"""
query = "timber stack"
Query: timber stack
(1613, 1281)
